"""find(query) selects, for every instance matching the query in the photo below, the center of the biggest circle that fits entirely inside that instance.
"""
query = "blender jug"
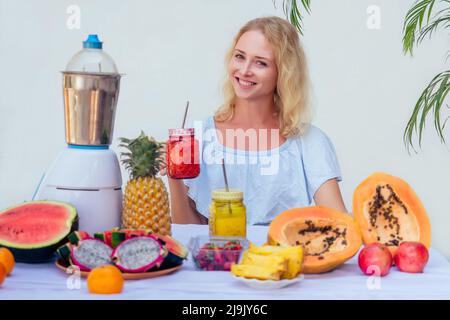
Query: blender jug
(90, 88)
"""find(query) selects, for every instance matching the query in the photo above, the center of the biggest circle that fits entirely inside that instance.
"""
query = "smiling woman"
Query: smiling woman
(252, 75)
(266, 90)
(269, 49)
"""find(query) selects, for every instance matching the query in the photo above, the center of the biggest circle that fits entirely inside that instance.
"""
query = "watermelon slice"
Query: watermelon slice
(176, 251)
(34, 230)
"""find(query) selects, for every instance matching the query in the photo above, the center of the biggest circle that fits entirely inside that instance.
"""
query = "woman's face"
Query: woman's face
(252, 69)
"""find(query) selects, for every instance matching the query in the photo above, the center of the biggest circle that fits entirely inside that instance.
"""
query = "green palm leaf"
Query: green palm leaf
(420, 23)
(414, 22)
(432, 100)
(293, 13)
(442, 19)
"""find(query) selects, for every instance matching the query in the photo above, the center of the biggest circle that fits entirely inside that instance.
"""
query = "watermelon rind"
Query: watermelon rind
(42, 251)
(177, 252)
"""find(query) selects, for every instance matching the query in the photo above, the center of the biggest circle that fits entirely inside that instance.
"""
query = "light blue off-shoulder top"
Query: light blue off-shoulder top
(272, 181)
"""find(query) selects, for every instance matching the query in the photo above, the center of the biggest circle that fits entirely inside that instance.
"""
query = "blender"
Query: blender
(86, 173)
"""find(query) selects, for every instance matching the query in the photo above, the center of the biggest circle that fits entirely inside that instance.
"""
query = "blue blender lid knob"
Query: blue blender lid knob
(93, 42)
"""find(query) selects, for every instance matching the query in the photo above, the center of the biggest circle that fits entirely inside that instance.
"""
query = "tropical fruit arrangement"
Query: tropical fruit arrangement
(146, 201)
(388, 218)
(131, 251)
(394, 225)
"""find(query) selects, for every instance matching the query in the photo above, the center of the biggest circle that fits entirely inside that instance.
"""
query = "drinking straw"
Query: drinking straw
(226, 182)
(225, 176)
(185, 114)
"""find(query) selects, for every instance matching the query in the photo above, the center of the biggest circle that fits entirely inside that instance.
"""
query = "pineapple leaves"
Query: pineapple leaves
(292, 12)
(143, 156)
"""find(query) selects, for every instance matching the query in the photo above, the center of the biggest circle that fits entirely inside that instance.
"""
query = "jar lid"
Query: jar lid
(224, 195)
(181, 132)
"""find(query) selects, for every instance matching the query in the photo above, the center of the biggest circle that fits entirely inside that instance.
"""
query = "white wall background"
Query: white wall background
(172, 51)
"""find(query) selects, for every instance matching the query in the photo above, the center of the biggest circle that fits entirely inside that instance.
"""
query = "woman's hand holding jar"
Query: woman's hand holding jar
(182, 154)
(181, 161)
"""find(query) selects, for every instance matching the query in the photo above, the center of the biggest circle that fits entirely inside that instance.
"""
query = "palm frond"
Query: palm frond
(431, 100)
(441, 18)
(414, 22)
(293, 13)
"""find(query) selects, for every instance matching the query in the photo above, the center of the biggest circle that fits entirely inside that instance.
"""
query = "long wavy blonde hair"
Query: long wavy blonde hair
(293, 86)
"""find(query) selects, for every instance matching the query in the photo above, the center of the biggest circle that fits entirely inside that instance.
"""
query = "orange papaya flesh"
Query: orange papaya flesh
(388, 211)
(329, 237)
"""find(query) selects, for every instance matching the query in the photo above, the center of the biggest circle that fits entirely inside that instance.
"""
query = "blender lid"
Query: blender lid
(92, 42)
(92, 58)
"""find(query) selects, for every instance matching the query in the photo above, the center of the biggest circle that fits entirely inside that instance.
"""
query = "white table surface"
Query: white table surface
(45, 281)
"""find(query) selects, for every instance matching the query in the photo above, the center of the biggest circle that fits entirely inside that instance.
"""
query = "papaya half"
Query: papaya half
(388, 211)
(329, 237)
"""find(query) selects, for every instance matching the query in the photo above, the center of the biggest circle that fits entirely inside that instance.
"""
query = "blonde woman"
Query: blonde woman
(263, 134)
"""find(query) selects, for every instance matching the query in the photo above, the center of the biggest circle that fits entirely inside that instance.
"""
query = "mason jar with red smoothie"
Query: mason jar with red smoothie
(182, 154)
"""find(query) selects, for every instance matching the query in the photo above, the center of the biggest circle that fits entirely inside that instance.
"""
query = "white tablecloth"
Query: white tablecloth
(45, 281)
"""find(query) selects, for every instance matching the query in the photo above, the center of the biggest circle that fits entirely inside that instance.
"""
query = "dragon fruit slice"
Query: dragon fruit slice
(90, 253)
(139, 254)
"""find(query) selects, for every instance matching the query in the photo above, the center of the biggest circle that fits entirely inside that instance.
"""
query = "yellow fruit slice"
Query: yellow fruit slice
(293, 254)
(255, 272)
(272, 261)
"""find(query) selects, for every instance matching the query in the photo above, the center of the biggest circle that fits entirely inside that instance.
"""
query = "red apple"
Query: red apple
(375, 259)
(411, 257)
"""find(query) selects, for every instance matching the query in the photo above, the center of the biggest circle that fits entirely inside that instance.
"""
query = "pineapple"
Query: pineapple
(146, 202)
(294, 254)
(271, 261)
(256, 272)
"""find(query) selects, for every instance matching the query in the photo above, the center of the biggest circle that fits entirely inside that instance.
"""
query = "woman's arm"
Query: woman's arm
(182, 207)
(329, 195)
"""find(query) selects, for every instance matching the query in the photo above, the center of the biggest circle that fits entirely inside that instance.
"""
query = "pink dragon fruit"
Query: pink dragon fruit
(90, 253)
(139, 254)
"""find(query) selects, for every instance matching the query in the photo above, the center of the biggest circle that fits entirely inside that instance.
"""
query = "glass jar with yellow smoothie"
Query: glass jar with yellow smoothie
(227, 214)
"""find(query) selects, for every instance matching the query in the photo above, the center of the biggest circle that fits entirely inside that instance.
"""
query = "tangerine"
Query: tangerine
(2, 273)
(7, 259)
(105, 280)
